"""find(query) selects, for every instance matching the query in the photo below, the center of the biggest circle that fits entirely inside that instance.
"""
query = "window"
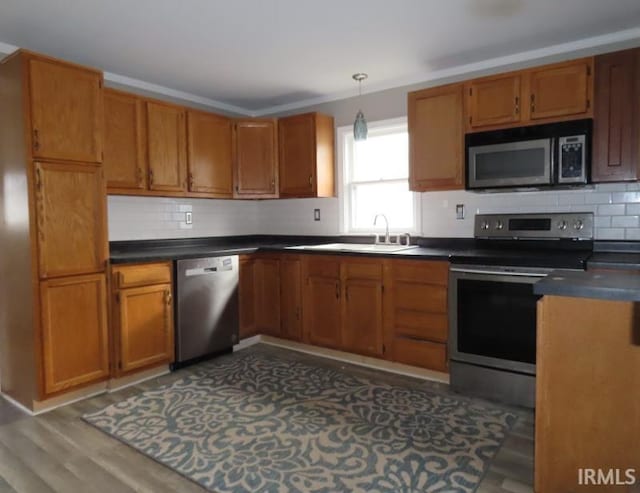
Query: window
(375, 180)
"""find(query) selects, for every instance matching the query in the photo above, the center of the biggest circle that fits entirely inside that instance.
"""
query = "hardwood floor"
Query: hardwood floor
(58, 452)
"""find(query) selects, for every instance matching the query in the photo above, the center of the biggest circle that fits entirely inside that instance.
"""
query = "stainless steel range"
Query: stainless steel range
(492, 307)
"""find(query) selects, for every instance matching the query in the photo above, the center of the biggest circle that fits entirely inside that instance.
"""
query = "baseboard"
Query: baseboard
(356, 359)
(245, 343)
(47, 405)
(15, 403)
(116, 384)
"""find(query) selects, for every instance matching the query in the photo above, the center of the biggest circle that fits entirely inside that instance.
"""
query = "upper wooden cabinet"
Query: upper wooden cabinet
(209, 154)
(561, 90)
(306, 155)
(255, 147)
(494, 100)
(124, 165)
(550, 93)
(616, 126)
(71, 219)
(66, 111)
(436, 139)
(166, 147)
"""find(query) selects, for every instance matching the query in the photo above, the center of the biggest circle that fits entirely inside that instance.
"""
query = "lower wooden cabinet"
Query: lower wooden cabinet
(75, 341)
(143, 334)
(416, 319)
(384, 308)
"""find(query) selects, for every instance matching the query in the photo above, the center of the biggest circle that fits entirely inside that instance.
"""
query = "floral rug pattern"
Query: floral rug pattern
(255, 422)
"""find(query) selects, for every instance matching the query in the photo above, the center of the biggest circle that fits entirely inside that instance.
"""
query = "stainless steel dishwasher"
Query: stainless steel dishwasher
(207, 309)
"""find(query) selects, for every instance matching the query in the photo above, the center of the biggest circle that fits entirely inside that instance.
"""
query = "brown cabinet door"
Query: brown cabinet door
(123, 148)
(494, 101)
(71, 219)
(267, 284)
(166, 147)
(145, 316)
(297, 158)
(74, 331)
(209, 154)
(246, 295)
(616, 124)
(66, 111)
(291, 299)
(436, 139)
(560, 90)
(306, 155)
(256, 162)
(322, 311)
(362, 332)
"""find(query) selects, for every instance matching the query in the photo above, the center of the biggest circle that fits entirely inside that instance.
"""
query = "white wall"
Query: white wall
(145, 218)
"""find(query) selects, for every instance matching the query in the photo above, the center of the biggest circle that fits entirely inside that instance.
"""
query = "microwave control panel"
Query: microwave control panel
(572, 158)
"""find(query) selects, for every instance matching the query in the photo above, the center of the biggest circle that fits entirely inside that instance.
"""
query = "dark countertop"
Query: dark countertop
(159, 250)
(614, 260)
(616, 286)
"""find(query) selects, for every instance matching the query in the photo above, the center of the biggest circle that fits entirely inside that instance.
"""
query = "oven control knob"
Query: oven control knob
(578, 225)
(484, 225)
(499, 225)
(562, 225)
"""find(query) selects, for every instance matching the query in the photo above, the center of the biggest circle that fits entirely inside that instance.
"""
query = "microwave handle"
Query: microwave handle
(553, 177)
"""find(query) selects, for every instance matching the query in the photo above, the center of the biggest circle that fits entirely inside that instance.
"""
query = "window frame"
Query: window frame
(345, 190)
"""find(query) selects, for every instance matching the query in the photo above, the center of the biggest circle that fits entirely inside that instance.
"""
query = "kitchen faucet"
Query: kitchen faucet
(386, 233)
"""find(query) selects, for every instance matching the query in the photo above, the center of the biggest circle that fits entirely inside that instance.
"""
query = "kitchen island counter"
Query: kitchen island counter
(598, 284)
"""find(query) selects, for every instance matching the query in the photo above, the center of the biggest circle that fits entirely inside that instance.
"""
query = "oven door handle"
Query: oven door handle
(500, 273)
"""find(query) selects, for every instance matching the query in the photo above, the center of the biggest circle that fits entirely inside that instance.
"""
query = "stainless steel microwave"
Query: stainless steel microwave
(537, 156)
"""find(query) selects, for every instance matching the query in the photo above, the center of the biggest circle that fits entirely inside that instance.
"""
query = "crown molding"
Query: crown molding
(591, 43)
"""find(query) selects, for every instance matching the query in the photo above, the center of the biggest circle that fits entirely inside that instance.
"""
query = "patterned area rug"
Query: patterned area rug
(255, 422)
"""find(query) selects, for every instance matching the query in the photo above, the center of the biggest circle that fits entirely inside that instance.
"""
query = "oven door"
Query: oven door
(492, 316)
(513, 164)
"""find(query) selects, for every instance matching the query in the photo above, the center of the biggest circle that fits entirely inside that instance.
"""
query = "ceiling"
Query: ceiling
(258, 56)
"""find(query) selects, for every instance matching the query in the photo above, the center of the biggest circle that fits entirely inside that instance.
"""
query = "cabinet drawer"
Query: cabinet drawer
(431, 355)
(127, 276)
(357, 269)
(317, 266)
(421, 325)
(420, 297)
(431, 272)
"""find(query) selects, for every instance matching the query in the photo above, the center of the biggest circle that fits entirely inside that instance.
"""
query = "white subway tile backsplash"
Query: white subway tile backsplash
(611, 209)
(154, 217)
(625, 221)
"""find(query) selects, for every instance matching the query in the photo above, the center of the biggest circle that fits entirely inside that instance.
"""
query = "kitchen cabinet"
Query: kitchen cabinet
(494, 100)
(267, 294)
(71, 219)
(255, 148)
(436, 139)
(142, 321)
(124, 164)
(322, 301)
(66, 110)
(75, 344)
(416, 316)
(54, 244)
(306, 155)
(246, 294)
(561, 90)
(166, 147)
(209, 154)
(291, 297)
(362, 307)
(587, 407)
(616, 124)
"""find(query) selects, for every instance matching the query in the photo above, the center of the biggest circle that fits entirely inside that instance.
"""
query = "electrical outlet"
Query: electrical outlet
(459, 211)
(188, 217)
(316, 214)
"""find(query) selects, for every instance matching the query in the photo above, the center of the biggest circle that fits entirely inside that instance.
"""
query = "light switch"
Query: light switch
(316, 214)
(459, 211)
(188, 217)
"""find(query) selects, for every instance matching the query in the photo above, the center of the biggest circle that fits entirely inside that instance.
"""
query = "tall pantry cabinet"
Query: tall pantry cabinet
(54, 334)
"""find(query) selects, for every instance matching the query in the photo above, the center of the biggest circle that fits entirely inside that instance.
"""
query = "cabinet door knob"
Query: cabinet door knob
(168, 297)
(191, 182)
(36, 139)
(150, 177)
(310, 180)
(517, 110)
(533, 103)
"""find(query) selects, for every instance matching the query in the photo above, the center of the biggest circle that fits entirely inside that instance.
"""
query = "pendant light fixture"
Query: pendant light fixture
(360, 124)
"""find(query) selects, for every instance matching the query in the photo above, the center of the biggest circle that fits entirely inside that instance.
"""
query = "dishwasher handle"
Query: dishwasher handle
(203, 271)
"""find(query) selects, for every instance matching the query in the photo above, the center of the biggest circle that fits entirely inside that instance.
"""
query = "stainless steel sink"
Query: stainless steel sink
(356, 247)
